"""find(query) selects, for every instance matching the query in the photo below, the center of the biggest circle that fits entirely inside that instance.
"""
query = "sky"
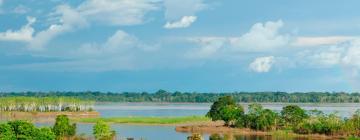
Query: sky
(180, 45)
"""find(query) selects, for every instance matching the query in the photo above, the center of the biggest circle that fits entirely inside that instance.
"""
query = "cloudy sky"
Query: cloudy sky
(185, 45)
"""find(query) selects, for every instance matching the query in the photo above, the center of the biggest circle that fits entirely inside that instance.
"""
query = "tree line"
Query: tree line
(62, 130)
(292, 117)
(197, 97)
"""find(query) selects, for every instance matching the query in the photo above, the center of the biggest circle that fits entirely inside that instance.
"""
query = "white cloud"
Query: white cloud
(113, 12)
(120, 43)
(320, 41)
(209, 46)
(177, 9)
(116, 12)
(262, 64)
(261, 37)
(24, 34)
(352, 55)
(184, 22)
(68, 19)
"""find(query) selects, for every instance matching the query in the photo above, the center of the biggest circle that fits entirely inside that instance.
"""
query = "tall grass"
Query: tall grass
(44, 104)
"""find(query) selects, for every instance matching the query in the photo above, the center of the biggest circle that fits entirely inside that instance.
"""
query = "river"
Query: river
(151, 132)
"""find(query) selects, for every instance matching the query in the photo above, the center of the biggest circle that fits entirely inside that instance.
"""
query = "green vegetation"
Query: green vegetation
(62, 130)
(44, 104)
(147, 120)
(23, 130)
(165, 96)
(225, 109)
(102, 131)
(291, 118)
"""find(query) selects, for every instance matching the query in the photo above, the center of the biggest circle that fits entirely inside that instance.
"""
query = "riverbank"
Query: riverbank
(218, 128)
(186, 120)
(45, 116)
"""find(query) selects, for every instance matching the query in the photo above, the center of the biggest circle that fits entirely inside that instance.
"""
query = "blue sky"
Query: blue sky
(184, 45)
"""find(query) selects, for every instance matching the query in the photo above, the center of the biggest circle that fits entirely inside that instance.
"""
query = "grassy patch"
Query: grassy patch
(147, 120)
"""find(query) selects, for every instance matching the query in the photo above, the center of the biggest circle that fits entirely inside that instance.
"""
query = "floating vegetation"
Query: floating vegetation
(45, 104)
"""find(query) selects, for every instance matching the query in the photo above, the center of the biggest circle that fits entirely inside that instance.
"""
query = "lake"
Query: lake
(150, 132)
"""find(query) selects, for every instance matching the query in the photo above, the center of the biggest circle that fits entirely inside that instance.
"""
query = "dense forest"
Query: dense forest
(165, 96)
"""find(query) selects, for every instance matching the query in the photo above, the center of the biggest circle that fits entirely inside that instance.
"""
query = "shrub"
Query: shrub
(6, 132)
(63, 128)
(293, 115)
(102, 131)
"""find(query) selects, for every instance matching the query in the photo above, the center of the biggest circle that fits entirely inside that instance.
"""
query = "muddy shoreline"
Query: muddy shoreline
(219, 128)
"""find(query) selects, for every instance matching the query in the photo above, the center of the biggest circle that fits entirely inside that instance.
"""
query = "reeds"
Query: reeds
(44, 104)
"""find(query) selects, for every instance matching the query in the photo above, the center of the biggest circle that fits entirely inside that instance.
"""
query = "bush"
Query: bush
(260, 119)
(323, 124)
(102, 131)
(63, 128)
(24, 130)
(6, 132)
(215, 109)
(225, 109)
(293, 115)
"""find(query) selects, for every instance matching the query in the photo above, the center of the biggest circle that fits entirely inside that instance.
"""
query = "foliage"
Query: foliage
(259, 118)
(102, 131)
(6, 132)
(45, 134)
(63, 128)
(217, 107)
(293, 115)
(23, 130)
(230, 113)
(44, 104)
(324, 124)
(165, 96)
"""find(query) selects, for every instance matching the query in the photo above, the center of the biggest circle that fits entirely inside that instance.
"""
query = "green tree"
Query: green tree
(6, 132)
(293, 115)
(23, 130)
(102, 131)
(230, 113)
(63, 128)
(261, 119)
(217, 106)
(45, 134)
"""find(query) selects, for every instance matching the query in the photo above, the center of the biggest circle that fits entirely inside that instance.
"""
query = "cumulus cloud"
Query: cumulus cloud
(352, 55)
(120, 43)
(261, 37)
(182, 13)
(24, 34)
(184, 22)
(262, 64)
(68, 18)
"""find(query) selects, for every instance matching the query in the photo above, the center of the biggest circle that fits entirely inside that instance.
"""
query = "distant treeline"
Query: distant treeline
(165, 96)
